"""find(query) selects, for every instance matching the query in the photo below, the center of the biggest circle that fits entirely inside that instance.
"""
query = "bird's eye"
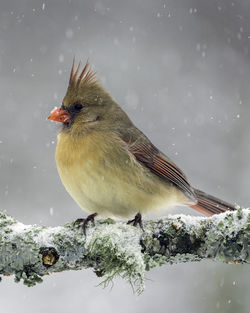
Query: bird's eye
(78, 106)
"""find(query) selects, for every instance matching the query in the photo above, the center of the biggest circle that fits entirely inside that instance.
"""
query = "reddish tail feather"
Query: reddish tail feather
(210, 205)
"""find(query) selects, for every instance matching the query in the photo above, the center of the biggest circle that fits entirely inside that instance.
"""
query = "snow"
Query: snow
(19, 228)
(51, 211)
(46, 236)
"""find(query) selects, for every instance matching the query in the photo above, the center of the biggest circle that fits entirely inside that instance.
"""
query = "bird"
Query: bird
(108, 166)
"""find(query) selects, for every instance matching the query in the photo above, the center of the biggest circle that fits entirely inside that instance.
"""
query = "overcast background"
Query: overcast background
(181, 70)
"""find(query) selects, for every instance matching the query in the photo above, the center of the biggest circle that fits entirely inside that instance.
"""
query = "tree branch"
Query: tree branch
(114, 248)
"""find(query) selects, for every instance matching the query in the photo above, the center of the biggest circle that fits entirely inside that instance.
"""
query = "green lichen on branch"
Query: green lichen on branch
(116, 249)
(224, 237)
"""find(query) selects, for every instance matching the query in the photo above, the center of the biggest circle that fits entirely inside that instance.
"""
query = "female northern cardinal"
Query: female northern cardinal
(109, 166)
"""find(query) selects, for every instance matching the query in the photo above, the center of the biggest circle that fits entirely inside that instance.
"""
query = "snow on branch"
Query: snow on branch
(114, 248)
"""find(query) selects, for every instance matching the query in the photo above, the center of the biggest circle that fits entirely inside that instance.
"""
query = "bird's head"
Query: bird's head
(86, 105)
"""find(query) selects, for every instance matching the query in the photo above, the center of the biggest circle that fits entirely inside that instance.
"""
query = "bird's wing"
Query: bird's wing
(158, 163)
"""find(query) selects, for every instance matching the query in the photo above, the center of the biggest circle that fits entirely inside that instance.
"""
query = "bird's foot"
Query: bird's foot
(137, 220)
(85, 221)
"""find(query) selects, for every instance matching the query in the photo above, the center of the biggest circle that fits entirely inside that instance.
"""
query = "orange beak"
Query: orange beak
(60, 115)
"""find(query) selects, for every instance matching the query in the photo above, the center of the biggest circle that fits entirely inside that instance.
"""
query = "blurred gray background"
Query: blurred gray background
(180, 69)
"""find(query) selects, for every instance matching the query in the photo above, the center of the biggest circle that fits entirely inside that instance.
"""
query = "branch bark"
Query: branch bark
(114, 248)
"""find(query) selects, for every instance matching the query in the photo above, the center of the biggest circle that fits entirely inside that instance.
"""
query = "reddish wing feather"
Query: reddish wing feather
(160, 165)
(147, 154)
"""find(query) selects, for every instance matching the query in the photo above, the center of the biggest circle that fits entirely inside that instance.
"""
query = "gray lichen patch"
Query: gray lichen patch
(173, 240)
(229, 235)
(182, 238)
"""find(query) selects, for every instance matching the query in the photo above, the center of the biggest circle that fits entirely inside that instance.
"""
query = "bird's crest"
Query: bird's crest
(79, 78)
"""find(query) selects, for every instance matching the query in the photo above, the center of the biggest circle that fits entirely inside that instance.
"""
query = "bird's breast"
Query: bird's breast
(102, 177)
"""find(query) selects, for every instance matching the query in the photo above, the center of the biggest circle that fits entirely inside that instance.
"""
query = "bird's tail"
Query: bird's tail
(210, 205)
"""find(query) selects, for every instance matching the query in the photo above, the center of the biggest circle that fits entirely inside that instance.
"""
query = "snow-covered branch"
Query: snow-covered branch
(114, 248)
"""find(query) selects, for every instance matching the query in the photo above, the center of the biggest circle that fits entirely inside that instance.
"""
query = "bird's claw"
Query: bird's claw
(85, 221)
(78, 221)
(137, 220)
